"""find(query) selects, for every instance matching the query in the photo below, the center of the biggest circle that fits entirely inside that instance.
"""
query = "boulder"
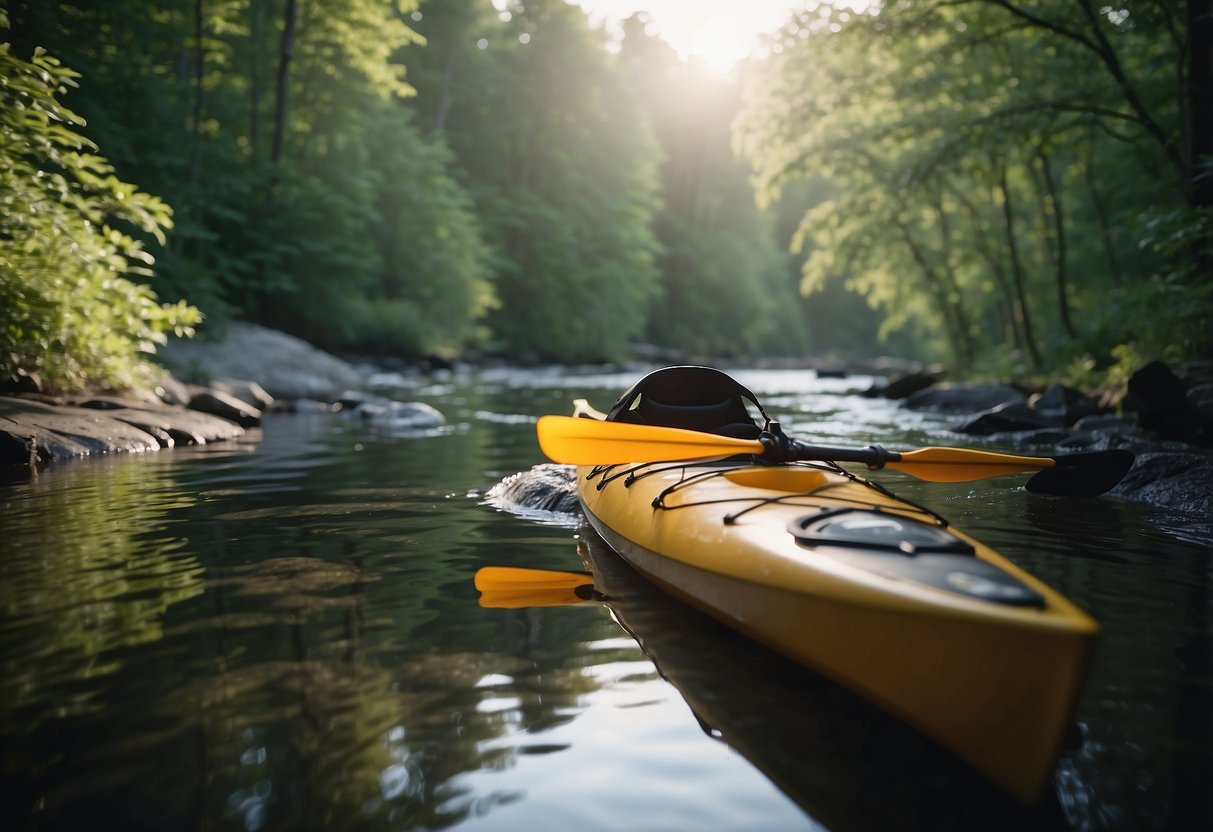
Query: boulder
(401, 416)
(1063, 403)
(1180, 481)
(286, 367)
(22, 381)
(1159, 398)
(48, 432)
(37, 432)
(964, 397)
(1108, 423)
(902, 385)
(171, 390)
(1201, 399)
(207, 400)
(1013, 417)
(546, 488)
(249, 392)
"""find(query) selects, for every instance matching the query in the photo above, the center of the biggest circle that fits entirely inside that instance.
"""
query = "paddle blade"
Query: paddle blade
(1083, 475)
(964, 465)
(591, 442)
(512, 588)
(521, 579)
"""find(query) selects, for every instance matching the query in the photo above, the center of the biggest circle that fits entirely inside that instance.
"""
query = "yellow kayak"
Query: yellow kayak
(874, 592)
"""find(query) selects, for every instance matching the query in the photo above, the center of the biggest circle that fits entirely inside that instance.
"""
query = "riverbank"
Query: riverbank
(1166, 418)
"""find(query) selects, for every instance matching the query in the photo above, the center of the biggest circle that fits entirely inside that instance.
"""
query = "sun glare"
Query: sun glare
(718, 43)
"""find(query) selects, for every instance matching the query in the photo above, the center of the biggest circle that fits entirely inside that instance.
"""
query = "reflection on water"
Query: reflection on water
(282, 633)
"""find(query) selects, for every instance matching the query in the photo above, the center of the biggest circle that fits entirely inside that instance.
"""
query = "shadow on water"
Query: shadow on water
(849, 765)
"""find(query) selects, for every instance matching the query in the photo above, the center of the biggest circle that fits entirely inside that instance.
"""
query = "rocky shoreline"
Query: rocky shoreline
(251, 372)
(1164, 418)
(1167, 419)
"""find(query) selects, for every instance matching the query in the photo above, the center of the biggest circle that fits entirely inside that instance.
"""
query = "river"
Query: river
(282, 633)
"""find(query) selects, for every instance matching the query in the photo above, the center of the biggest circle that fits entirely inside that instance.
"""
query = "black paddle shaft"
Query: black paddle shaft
(782, 448)
(1073, 475)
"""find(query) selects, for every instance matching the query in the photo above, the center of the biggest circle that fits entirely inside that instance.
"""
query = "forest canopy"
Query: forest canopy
(1002, 184)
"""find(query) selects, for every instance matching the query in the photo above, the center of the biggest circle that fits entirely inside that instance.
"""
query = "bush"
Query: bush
(69, 308)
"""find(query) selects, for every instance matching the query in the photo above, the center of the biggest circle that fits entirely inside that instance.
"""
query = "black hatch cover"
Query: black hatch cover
(906, 549)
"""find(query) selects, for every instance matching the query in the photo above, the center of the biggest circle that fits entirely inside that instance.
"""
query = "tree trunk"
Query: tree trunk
(1008, 313)
(1200, 101)
(284, 64)
(1017, 275)
(952, 284)
(444, 92)
(1105, 223)
(953, 327)
(256, 32)
(1055, 212)
(199, 92)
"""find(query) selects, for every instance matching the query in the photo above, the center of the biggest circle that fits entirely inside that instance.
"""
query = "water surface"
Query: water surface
(282, 633)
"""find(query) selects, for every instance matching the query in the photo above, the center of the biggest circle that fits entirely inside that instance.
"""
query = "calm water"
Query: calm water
(282, 633)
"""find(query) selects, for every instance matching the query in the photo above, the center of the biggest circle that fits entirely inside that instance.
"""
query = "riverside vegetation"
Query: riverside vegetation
(1006, 186)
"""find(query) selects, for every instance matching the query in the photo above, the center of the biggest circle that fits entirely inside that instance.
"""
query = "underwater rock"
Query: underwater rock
(545, 487)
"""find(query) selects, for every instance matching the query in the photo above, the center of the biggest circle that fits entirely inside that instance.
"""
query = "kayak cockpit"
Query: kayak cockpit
(787, 478)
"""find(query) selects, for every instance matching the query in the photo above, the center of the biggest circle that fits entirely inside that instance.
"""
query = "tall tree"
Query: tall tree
(564, 182)
(1017, 101)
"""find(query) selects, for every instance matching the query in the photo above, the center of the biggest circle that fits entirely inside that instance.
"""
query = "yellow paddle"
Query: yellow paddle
(512, 587)
(593, 442)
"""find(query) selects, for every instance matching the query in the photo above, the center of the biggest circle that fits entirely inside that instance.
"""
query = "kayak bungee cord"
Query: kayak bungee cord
(606, 474)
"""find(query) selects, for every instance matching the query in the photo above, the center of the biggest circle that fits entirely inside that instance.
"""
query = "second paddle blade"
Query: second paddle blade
(591, 442)
(1083, 475)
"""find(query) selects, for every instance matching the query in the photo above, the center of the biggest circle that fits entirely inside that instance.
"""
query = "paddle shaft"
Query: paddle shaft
(577, 441)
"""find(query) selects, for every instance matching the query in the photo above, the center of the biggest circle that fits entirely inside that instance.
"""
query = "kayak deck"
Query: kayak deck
(933, 626)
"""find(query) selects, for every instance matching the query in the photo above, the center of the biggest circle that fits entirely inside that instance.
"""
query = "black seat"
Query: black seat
(690, 397)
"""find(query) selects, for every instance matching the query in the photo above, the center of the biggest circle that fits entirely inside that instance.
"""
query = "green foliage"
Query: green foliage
(1001, 179)
(435, 264)
(726, 286)
(562, 170)
(70, 306)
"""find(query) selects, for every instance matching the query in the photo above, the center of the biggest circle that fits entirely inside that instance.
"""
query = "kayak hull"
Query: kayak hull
(994, 682)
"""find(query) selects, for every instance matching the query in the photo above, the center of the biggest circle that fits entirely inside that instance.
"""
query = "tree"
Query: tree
(563, 179)
(724, 287)
(69, 308)
(1057, 117)
(285, 229)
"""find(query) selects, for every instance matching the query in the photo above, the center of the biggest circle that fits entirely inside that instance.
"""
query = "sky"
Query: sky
(720, 32)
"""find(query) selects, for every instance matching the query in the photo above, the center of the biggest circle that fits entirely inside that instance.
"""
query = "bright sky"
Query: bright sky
(721, 32)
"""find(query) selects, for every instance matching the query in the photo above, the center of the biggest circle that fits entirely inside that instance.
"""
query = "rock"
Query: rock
(1201, 398)
(1108, 422)
(51, 432)
(171, 390)
(283, 365)
(1013, 417)
(22, 382)
(1063, 403)
(546, 487)
(1160, 400)
(249, 392)
(224, 406)
(307, 407)
(902, 385)
(407, 416)
(964, 397)
(36, 432)
(1181, 481)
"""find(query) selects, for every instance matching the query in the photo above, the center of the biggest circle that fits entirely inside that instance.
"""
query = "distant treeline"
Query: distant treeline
(445, 177)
